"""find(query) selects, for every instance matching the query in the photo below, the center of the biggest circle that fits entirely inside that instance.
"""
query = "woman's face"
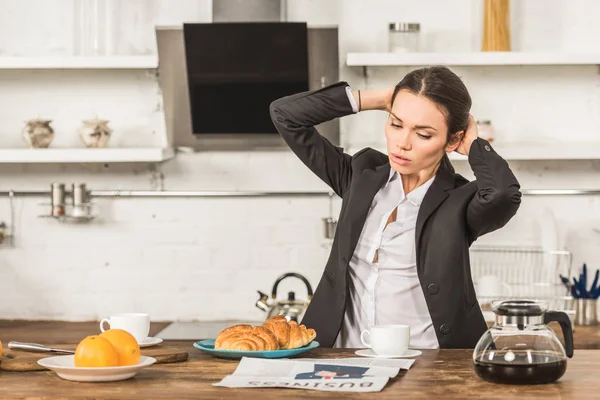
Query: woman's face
(416, 134)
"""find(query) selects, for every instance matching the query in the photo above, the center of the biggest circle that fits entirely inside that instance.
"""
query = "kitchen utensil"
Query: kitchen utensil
(208, 346)
(79, 194)
(291, 308)
(58, 199)
(138, 324)
(35, 347)
(520, 348)
(95, 133)
(566, 282)
(595, 282)
(586, 312)
(38, 133)
(23, 361)
(330, 223)
(64, 366)
(329, 227)
(579, 288)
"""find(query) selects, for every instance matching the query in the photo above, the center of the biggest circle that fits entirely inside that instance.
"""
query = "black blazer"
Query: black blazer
(453, 214)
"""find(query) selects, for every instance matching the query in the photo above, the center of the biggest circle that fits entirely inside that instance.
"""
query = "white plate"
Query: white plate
(64, 366)
(150, 341)
(370, 353)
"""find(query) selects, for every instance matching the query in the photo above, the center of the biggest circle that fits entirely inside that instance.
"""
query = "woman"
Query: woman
(401, 250)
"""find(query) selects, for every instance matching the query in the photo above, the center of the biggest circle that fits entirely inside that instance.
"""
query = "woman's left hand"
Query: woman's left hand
(470, 135)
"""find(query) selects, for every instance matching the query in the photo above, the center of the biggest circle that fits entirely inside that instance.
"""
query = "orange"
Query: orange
(96, 351)
(125, 344)
(0, 347)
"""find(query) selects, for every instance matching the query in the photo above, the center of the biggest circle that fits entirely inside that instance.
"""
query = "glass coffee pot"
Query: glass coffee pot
(520, 348)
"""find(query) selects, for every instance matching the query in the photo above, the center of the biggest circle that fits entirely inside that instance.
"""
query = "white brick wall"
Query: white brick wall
(204, 259)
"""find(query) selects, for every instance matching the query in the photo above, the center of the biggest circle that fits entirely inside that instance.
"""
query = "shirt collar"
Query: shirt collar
(418, 194)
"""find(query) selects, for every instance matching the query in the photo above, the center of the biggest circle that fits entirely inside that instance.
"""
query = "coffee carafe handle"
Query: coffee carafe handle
(565, 325)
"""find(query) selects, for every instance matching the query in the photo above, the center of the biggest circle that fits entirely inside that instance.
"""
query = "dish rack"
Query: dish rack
(526, 273)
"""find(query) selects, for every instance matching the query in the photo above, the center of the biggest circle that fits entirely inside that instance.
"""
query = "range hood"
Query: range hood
(177, 81)
(237, 69)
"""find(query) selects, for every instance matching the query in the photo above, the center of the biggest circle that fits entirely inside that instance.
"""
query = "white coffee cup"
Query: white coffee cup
(138, 324)
(492, 286)
(387, 340)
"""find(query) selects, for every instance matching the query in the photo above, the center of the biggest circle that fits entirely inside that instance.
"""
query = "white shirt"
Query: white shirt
(386, 289)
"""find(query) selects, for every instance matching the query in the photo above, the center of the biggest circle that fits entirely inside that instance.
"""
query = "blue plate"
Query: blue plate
(208, 346)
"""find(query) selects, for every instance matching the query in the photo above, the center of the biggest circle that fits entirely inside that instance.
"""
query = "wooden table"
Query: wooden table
(436, 373)
(584, 337)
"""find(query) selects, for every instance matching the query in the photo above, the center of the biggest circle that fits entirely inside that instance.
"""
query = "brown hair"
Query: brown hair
(445, 89)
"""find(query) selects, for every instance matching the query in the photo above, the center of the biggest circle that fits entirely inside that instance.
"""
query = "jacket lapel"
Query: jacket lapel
(369, 183)
(437, 193)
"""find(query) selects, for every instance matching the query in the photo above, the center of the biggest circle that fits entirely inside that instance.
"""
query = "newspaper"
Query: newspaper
(337, 375)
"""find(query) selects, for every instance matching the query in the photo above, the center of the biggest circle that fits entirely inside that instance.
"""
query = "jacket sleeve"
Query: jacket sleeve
(498, 195)
(295, 118)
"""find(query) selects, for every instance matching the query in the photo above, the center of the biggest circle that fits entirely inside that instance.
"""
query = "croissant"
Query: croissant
(290, 335)
(276, 333)
(280, 327)
(246, 337)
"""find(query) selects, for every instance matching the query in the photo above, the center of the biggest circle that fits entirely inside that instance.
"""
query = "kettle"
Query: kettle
(291, 309)
(520, 348)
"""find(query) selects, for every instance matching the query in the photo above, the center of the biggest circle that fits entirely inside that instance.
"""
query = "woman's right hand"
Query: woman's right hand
(374, 99)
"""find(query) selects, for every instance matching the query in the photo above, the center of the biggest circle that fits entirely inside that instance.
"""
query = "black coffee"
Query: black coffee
(541, 368)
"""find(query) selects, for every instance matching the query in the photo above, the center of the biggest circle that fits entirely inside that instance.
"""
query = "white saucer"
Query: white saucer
(370, 353)
(150, 341)
(64, 366)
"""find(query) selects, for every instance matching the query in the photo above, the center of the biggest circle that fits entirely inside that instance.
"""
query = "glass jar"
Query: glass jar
(404, 37)
(90, 27)
(486, 130)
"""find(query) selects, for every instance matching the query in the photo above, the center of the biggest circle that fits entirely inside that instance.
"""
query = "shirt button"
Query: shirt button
(433, 288)
(445, 329)
(487, 147)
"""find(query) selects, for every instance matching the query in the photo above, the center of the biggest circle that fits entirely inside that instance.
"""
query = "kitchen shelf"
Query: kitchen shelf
(535, 151)
(470, 59)
(80, 62)
(75, 155)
